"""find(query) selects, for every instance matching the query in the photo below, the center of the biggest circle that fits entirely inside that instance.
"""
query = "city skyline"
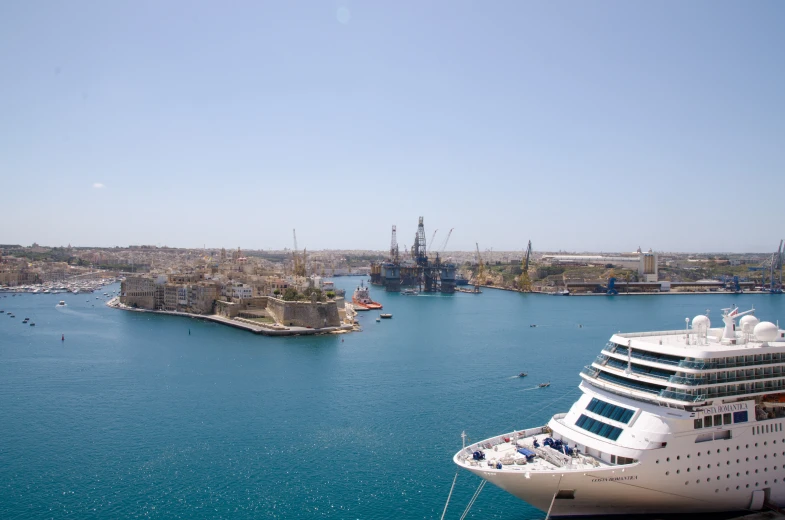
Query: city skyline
(598, 127)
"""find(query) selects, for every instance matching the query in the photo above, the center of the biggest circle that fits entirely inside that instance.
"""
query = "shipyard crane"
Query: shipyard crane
(433, 236)
(479, 276)
(444, 244)
(394, 255)
(524, 282)
(299, 263)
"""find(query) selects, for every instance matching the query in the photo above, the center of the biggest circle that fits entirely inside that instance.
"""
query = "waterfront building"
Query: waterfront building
(138, 291)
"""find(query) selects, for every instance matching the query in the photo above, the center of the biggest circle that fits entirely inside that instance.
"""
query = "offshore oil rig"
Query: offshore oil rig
(415, 268)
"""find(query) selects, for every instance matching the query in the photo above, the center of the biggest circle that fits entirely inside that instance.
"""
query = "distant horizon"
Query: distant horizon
(386, 251)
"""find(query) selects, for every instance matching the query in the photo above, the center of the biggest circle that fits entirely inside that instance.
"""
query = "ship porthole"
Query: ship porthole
(678, 471)
(748, 486)
(765, 482)
(737, 474)
(667, 473)
(716, 490)
(686, 482)
(737, 487)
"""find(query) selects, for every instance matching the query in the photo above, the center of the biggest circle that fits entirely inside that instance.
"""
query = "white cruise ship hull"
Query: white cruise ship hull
(596, 496)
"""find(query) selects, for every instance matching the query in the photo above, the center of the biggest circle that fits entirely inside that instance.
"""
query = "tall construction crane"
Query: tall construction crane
(394, 255)
(433, 236)
(524, 282)
(479, 276)
(444, 244)
(299, 262)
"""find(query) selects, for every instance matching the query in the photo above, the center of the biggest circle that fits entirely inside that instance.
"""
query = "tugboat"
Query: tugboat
(361, 298)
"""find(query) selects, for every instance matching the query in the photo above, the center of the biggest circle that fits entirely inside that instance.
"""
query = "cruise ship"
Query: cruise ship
(680, 421)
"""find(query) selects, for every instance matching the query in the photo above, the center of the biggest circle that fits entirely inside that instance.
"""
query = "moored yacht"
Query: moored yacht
(680, 421)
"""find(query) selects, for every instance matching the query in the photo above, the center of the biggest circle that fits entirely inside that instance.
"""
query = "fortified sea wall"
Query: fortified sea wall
(291, 314)
(304, 314)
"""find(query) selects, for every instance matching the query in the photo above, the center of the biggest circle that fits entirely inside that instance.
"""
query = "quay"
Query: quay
(239, 323)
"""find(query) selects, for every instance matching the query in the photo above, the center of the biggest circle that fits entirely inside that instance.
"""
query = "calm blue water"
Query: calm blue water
(133, 417)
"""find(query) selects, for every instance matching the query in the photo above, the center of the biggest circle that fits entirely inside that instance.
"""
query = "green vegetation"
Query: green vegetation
(292, 295)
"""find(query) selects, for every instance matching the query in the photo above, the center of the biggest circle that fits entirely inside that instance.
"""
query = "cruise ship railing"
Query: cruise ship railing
(769, 386)
(692, 381)
(590, 371)
(622, 350)
(698, 364)
(647, 371)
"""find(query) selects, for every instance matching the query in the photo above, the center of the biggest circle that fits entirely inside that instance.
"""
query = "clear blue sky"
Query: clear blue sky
(578, 125)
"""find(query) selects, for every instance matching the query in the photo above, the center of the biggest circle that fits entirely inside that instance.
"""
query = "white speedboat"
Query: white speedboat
(681, 421)
(61, 303)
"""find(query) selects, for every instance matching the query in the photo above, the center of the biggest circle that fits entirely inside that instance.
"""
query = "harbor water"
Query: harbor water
(145, 416)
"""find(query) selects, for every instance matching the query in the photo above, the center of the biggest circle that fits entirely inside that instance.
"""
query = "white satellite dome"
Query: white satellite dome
(748, 323)
(701, 322)
(765, 331)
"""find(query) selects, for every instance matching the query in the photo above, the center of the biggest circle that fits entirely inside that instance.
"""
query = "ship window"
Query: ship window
(613, 412)
(740, 417)
(726, 418)
(598, 427)
(707, 421)
(718, 420)
(698, 423)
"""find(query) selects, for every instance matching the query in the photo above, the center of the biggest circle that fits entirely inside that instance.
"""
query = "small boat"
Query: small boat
(61, 304)
(378, 320)
(409, 292)
(523, 374)
(543, 385)
(32, 324)
(385, 316)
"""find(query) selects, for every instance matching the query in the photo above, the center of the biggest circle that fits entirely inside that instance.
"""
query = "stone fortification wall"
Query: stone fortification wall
(304, 314)
(233, 309)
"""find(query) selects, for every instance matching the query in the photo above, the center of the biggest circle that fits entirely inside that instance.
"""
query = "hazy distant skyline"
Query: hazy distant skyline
(579, 126)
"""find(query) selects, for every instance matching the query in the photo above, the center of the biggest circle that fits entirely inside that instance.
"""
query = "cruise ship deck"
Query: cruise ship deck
(526, 451)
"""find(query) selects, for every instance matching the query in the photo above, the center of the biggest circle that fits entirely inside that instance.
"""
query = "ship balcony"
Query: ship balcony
(706, 381)
(637, 377)
(759, 388)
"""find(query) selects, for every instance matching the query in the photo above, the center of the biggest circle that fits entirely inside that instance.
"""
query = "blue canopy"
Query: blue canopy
(526, 453)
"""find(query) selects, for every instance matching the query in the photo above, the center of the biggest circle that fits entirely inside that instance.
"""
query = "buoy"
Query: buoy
(62, 338)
